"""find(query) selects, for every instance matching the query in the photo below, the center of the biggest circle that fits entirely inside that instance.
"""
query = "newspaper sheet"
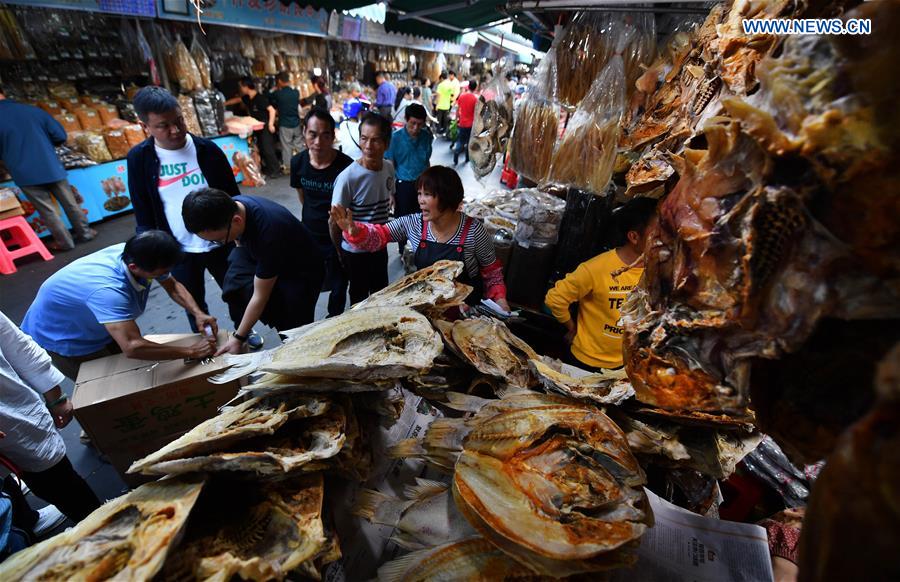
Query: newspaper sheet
(685, 547)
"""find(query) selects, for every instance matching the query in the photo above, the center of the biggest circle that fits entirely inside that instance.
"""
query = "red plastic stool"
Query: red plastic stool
(21, 235)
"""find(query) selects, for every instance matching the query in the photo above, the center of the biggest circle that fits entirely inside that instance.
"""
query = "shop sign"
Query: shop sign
(126, 7)
(261, 14)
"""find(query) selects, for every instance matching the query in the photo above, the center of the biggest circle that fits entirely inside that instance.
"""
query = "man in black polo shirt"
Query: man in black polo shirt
(313, 172)
(289, 265)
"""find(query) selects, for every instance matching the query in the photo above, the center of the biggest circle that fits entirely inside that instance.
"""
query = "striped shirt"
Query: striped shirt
(367, 194)
(478, 250)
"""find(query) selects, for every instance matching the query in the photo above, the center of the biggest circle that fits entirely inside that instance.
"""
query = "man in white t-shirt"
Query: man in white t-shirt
(164, 169)
(366, 187)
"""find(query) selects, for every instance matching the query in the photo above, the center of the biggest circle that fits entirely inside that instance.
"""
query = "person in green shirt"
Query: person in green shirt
(446, 93)
(286, 101)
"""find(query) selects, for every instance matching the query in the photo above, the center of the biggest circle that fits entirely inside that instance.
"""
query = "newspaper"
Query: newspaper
(366, 546)
(686, 547)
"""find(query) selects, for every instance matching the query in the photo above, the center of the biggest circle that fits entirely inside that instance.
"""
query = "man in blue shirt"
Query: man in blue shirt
(88, 308)
(385, 95)
(27, 137)
(410, 150)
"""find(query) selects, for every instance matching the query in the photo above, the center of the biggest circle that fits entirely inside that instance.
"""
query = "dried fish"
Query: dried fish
(610, 387)
(299, 446)
(432, 289)
(268, 530)
(488, 345)
(533, 138)
(260, 416)
(426, 518)
(125, 539)
(375, 343)
(471, 559)
(561, 496)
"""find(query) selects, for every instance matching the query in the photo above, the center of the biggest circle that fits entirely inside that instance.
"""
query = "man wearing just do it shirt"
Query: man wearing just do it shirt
(162, 171)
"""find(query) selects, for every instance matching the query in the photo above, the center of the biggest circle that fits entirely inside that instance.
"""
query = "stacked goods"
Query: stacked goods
(134, 134)
(186, 71)
(117, 143)
(190, 114)
(539, 217)
(89, 119)
(93, 146)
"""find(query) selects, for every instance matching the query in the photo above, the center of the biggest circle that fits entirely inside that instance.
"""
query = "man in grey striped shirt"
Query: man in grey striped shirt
(367, 188)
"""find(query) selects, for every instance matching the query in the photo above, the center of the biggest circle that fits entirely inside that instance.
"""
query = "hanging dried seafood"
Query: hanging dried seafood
(533, 138)
(491, 126)
(586, 153)
(581, 53)
(191, 122)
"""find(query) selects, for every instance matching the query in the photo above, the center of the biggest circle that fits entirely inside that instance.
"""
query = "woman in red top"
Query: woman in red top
(440, 232)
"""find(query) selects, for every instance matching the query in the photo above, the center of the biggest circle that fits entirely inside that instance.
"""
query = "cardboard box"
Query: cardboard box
(8, 200)
(11, 213)
(131, 408)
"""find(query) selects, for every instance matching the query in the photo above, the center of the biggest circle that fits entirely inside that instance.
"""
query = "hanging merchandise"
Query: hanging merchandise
(14, 44)
(540, 215)
(491, 126)
(186, 72)
(584, 231)
(536, 125)
(248, 50)
(586, 153)
(190, 114)
(201, 59)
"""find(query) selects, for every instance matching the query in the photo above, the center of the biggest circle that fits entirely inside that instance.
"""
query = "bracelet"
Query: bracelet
(241, 338)
(57, 402)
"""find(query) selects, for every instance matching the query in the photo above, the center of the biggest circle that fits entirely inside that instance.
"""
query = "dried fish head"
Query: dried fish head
(127, 538)
(565, 491)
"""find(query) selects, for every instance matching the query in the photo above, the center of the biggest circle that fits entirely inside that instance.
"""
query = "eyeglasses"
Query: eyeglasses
(223, 242)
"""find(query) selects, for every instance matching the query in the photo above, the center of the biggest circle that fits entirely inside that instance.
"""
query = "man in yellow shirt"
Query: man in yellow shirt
(600, 286)
(446, 91)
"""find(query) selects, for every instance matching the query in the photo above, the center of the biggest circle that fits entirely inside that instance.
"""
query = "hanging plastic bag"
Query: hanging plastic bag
(186, 71)
(540, 215)
(201, 59)
(586, 153)
(581, 52)
(189, 114)
(536, 125)
(206, 113)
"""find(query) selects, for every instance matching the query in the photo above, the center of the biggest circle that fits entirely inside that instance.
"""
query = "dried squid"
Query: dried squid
(125, 539)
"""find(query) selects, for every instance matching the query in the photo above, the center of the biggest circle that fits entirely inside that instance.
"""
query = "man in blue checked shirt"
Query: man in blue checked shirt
(410, 150)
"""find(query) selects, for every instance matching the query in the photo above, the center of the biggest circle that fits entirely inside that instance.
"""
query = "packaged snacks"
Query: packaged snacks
(52, 108)
(93, 146)
(107, 113)
(70, 104)
(69, 122)
(186, 71)
(117, 143)
(90, 100)
(59, 90)
(206, 112)
(190, 114)
(71, 159)
(134, 133)
(89, 119)
(586, 153)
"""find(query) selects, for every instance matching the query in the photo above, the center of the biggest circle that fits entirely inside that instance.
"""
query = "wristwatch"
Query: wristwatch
(239, 337)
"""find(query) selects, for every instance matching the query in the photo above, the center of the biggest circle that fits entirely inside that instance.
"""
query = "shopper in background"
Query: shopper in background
(27, 137)
(322, 97)
(367, 188)
(439, 232)
(410, 151)
(261, 110)
(32, 409)
(465, 115)
(288, 267)
(161, 172)
(286, 101)
(385, 95)
(427, 97)
(405, 98)
(600, 286)
(88, 308)
(445, 98)
(313, 173)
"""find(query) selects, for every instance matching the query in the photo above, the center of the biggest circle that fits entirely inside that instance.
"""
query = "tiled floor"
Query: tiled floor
(162, 315)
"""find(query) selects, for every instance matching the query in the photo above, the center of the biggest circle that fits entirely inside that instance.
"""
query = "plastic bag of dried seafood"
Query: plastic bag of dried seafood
(201, 59)
(71, 159)
(540, 215)
(536, 125)
(190, 114)
(93, 146)
(186, 71)
(586, 153)
(206, 112)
